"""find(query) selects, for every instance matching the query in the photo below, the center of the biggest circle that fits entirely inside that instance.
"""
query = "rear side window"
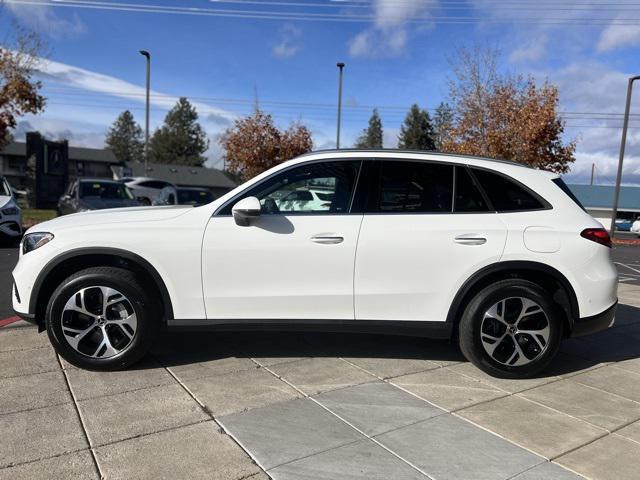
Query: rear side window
(506, 195)
(563, 186)
(413, 187)
(468, 199)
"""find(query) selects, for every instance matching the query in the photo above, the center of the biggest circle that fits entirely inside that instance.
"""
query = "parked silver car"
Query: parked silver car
(146, 189)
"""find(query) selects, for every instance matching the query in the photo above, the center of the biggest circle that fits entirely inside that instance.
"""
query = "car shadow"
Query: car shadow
(622, 342)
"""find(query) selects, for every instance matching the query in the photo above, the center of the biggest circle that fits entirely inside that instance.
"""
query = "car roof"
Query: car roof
(101, 180)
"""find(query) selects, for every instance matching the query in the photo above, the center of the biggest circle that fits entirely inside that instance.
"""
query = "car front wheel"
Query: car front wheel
(101, 319)
(511, 329)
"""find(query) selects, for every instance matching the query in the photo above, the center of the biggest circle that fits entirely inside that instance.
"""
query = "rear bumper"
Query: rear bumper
(595, 323)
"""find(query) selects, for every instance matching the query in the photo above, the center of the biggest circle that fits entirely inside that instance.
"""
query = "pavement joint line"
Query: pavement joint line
(57, 404)
(617, 435)
(41, 459)
(606, 391)
(212, 417)
(627, 266)
(82, 424)
(349, 424)
(384, 379)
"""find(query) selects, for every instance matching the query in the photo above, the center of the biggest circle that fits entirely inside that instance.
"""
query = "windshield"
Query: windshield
(106, 190)
(4, 188)
(194, 197)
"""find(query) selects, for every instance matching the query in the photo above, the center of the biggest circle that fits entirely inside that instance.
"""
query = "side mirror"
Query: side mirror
(246, 210)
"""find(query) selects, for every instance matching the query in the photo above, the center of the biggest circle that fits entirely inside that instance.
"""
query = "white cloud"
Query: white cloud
(617, 36)
(42, 18)
(532, 51)
(388, 36)
(288, 41)
(97, 82)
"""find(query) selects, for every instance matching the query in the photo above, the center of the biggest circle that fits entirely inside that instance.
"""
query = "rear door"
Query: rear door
(420, 239)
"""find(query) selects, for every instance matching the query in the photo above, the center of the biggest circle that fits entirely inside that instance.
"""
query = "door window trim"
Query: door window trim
(240, 195)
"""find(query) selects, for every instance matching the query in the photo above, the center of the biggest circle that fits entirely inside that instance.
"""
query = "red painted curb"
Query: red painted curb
(7, 321)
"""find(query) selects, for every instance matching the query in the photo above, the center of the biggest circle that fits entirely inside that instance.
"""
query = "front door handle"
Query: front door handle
(327, 239)
(470, 239)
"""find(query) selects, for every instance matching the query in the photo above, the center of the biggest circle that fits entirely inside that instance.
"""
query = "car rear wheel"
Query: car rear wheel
(511, 329)
(101, 319)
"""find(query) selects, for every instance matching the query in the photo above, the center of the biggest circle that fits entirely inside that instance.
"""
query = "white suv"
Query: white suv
(495, 255)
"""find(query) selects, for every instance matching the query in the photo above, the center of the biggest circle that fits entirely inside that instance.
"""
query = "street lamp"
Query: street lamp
(625, 126)
(147, 55)
(340, 65)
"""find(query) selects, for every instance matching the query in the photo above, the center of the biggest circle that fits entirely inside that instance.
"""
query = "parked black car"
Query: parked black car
(195, 196)
(95, 194)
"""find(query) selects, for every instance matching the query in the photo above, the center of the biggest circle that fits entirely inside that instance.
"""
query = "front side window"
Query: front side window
(316, 188)
(505, 194)
(413, 187)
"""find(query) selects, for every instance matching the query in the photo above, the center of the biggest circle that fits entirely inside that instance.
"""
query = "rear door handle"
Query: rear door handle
(470, 239)
(327, 239)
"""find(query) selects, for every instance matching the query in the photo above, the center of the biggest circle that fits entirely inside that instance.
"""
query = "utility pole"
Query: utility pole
(625, 126)
(147, 55)
(340, 65)
(593, 171)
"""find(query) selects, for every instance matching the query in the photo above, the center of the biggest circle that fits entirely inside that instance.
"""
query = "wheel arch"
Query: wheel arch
(540, 273)
(67, 263)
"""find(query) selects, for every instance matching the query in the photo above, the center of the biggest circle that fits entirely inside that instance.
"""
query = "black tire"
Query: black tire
(471, 322)
(138, 297)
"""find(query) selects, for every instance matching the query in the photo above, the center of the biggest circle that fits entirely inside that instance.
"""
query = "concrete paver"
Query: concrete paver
(22, 339)
(117, 417)
(537, 428)
(547, 471)
(508, 385)
(614, 380)
(317, 375)
(477, 454)
(194, 452)
(609, 458)
(283, 432)
(87, 384)
(72, 466)
(40, 433)
(361, 460)
(591, 405)
(27, 392)
(239, 391)
(447, 389)
(631, 432)
(375, 408)
(26, 362)
(392, 367)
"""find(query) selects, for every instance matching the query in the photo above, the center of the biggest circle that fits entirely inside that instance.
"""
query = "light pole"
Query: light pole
(340, 65)
(623, 142)
(147, 55)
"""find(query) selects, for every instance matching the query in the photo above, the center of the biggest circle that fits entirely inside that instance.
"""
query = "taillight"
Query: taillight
(598, 235)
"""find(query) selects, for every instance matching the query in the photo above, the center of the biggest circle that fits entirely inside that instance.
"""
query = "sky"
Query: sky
(226, 55)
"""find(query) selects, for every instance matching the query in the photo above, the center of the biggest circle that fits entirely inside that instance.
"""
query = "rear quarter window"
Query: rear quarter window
(507, 195)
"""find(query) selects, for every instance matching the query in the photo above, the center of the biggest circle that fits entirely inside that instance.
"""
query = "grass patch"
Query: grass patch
(32, 216)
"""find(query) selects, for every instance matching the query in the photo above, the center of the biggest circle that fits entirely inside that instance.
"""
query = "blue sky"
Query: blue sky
(396, 53)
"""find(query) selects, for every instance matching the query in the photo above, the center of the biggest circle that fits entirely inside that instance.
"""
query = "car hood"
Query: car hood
(4, 200)
(110, 216)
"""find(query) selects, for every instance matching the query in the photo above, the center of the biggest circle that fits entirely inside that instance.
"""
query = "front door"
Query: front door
(296, 260)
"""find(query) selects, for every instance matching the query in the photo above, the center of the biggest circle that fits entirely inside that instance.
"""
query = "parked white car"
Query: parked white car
(635, 227)
(146, 189)
(10, 213)
(494, 255)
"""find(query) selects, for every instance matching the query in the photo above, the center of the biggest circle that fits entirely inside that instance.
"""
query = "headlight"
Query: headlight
(11, 211)
(35, 240)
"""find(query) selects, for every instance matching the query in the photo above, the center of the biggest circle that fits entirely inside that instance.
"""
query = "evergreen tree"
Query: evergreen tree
(124, 138)
(442, 125)
(372, 135)
(181, 140)
(416, 132)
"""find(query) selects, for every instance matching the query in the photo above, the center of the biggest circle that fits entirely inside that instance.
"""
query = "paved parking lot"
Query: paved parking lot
(322, 406)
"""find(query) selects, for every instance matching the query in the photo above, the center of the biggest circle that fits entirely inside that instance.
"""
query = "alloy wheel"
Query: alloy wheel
(99, 322)
(515, 331)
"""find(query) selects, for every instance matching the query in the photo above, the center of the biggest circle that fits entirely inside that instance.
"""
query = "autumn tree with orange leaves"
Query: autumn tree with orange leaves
(19, 92)
(504, 116)
(254, 144)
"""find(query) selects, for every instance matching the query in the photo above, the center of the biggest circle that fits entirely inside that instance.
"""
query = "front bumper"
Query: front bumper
(10, 228)
(595, 323)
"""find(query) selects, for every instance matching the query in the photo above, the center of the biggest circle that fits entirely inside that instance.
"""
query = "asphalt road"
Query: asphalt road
(627, 259)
